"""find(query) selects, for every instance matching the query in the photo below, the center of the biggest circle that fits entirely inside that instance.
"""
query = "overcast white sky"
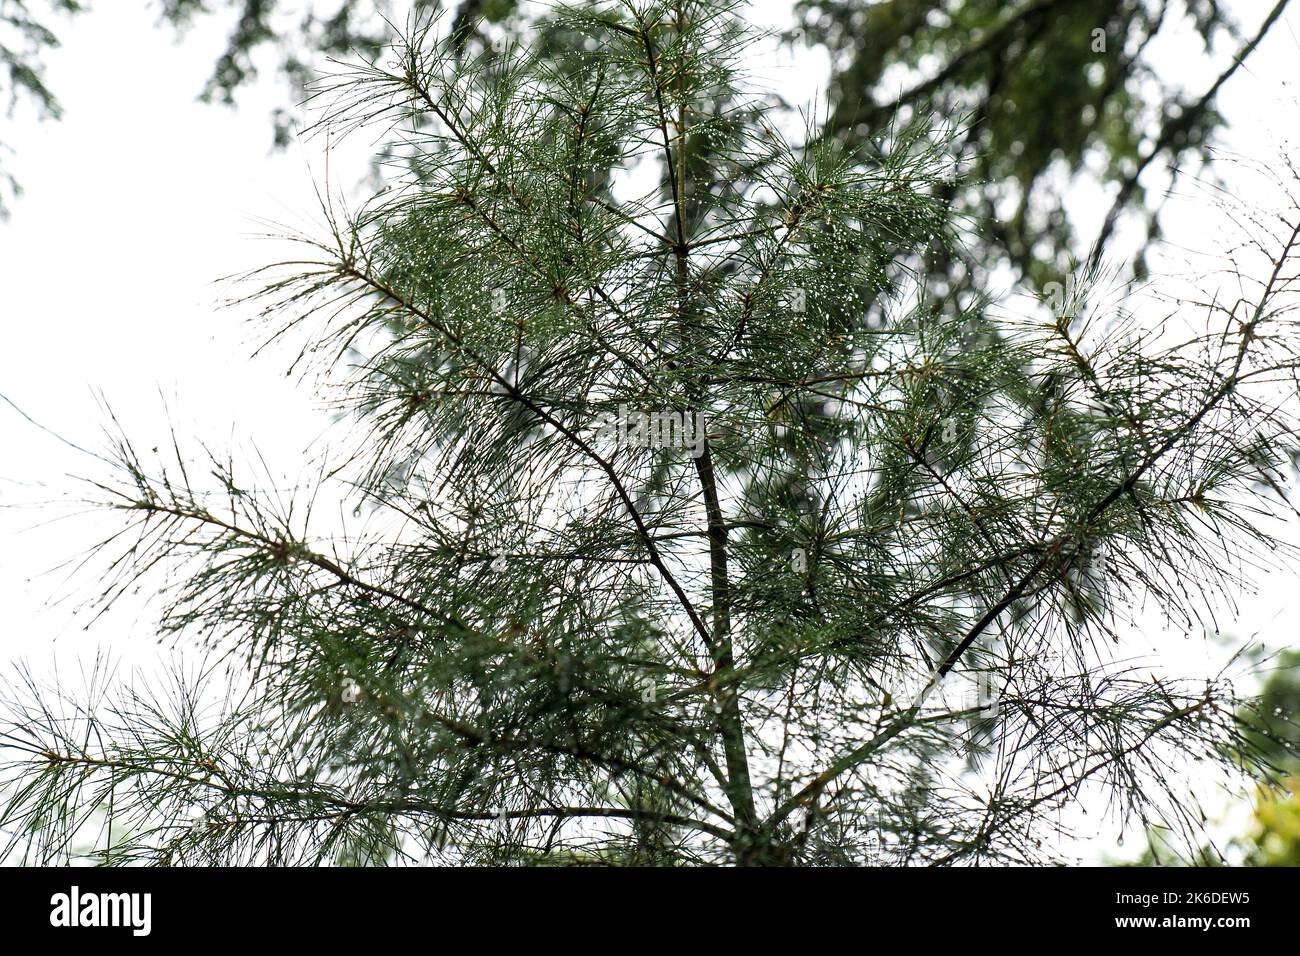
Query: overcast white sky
(141, 197)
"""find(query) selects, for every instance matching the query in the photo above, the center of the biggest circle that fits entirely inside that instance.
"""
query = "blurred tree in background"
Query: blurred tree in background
(23, 40)
(1048, 88)
(1276, 836)
(1273, 730)
(1270, 731)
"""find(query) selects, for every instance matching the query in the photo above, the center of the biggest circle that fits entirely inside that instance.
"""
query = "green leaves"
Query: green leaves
(864, 614)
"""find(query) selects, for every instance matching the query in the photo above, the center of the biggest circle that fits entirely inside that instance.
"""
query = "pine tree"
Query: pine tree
(677, 536)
